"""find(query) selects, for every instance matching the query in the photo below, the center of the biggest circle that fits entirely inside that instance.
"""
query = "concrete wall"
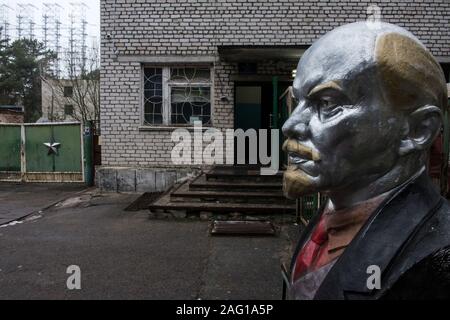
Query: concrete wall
(116, 179)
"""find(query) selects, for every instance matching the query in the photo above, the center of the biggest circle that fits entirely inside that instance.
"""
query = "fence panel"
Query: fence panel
(10, 163)
(68, 153)
(52, 152)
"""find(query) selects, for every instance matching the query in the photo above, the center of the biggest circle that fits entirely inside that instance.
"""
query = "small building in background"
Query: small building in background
(69, 100)
(11, 114)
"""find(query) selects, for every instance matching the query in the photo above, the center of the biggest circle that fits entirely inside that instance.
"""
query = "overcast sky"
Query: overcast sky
(92, 16)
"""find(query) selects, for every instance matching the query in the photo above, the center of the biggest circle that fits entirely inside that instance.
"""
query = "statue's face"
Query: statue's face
(342, 133)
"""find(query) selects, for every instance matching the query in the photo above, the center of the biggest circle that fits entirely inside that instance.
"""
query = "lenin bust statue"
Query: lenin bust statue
(370, 104)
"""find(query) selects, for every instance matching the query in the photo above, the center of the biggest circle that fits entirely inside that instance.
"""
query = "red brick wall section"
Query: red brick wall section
(7, 116)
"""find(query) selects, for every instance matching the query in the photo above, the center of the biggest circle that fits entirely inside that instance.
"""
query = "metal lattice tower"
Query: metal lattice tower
(83, 42)
(25, 21)
(5, 23)
(77, 48)
(20, 19)
(45, 28)
(93, 58)
(62, 29)
(51, 33)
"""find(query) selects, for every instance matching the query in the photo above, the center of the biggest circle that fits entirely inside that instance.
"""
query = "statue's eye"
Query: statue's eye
(327, 105)
(327, 108)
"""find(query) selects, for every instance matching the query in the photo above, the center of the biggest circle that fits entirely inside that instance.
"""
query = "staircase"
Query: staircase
(228, 190)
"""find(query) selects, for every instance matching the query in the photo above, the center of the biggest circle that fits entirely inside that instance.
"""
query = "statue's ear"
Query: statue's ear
(421, 129)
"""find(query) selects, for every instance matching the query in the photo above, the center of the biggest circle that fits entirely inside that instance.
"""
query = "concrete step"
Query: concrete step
(248, 174)
(201, 183)
(184, 193)
(237, 190)
(165, 203)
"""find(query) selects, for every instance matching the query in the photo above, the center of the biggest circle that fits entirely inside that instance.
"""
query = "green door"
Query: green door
(248, 107)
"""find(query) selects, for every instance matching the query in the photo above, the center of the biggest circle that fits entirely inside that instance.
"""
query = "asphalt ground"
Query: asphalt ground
(18, 200)
(126, 255)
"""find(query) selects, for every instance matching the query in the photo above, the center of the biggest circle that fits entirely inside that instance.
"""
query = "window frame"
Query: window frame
(71, 114)
(143, 122)
(68, 91)
(167, 86)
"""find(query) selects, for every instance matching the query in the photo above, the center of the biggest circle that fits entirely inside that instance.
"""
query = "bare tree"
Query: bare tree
(83, 77)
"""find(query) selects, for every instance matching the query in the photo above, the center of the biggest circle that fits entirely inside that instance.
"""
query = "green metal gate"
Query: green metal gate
(51, 152)
(10, 149)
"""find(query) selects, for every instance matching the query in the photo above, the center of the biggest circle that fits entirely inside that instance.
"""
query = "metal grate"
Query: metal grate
(153, 96)
(190, 104)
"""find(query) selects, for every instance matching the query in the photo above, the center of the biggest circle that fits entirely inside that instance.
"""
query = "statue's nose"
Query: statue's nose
(297, 126)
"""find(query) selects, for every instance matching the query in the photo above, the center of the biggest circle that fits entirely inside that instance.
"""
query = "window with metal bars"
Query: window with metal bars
(177, 95)
(153, 96)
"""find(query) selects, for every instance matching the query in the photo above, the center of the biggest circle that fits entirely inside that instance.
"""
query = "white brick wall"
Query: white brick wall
(198, 27)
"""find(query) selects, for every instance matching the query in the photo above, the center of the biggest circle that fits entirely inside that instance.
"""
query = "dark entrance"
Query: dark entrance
(253, 108)
(253, 105)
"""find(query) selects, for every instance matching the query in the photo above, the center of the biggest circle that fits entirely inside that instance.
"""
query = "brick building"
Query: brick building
(229, 55)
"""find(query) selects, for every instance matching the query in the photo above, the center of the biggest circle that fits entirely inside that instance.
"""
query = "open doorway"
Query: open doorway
(253, 109)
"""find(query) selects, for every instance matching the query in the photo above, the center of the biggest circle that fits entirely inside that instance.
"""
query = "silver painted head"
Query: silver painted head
(370, 105)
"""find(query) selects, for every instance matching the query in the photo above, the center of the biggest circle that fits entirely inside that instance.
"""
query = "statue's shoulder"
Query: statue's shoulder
(422, 270)
(437, 227)
(428, 279)
(439, 265)
(433, 234)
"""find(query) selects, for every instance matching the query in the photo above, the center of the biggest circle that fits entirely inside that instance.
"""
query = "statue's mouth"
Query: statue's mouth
(296, 159)
(300, 153)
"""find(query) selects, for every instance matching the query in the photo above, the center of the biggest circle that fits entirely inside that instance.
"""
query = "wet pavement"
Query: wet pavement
(19, 200)
(125, 255)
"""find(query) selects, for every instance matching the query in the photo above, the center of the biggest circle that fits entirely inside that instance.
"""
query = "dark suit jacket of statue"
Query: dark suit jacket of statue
(407, 237)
